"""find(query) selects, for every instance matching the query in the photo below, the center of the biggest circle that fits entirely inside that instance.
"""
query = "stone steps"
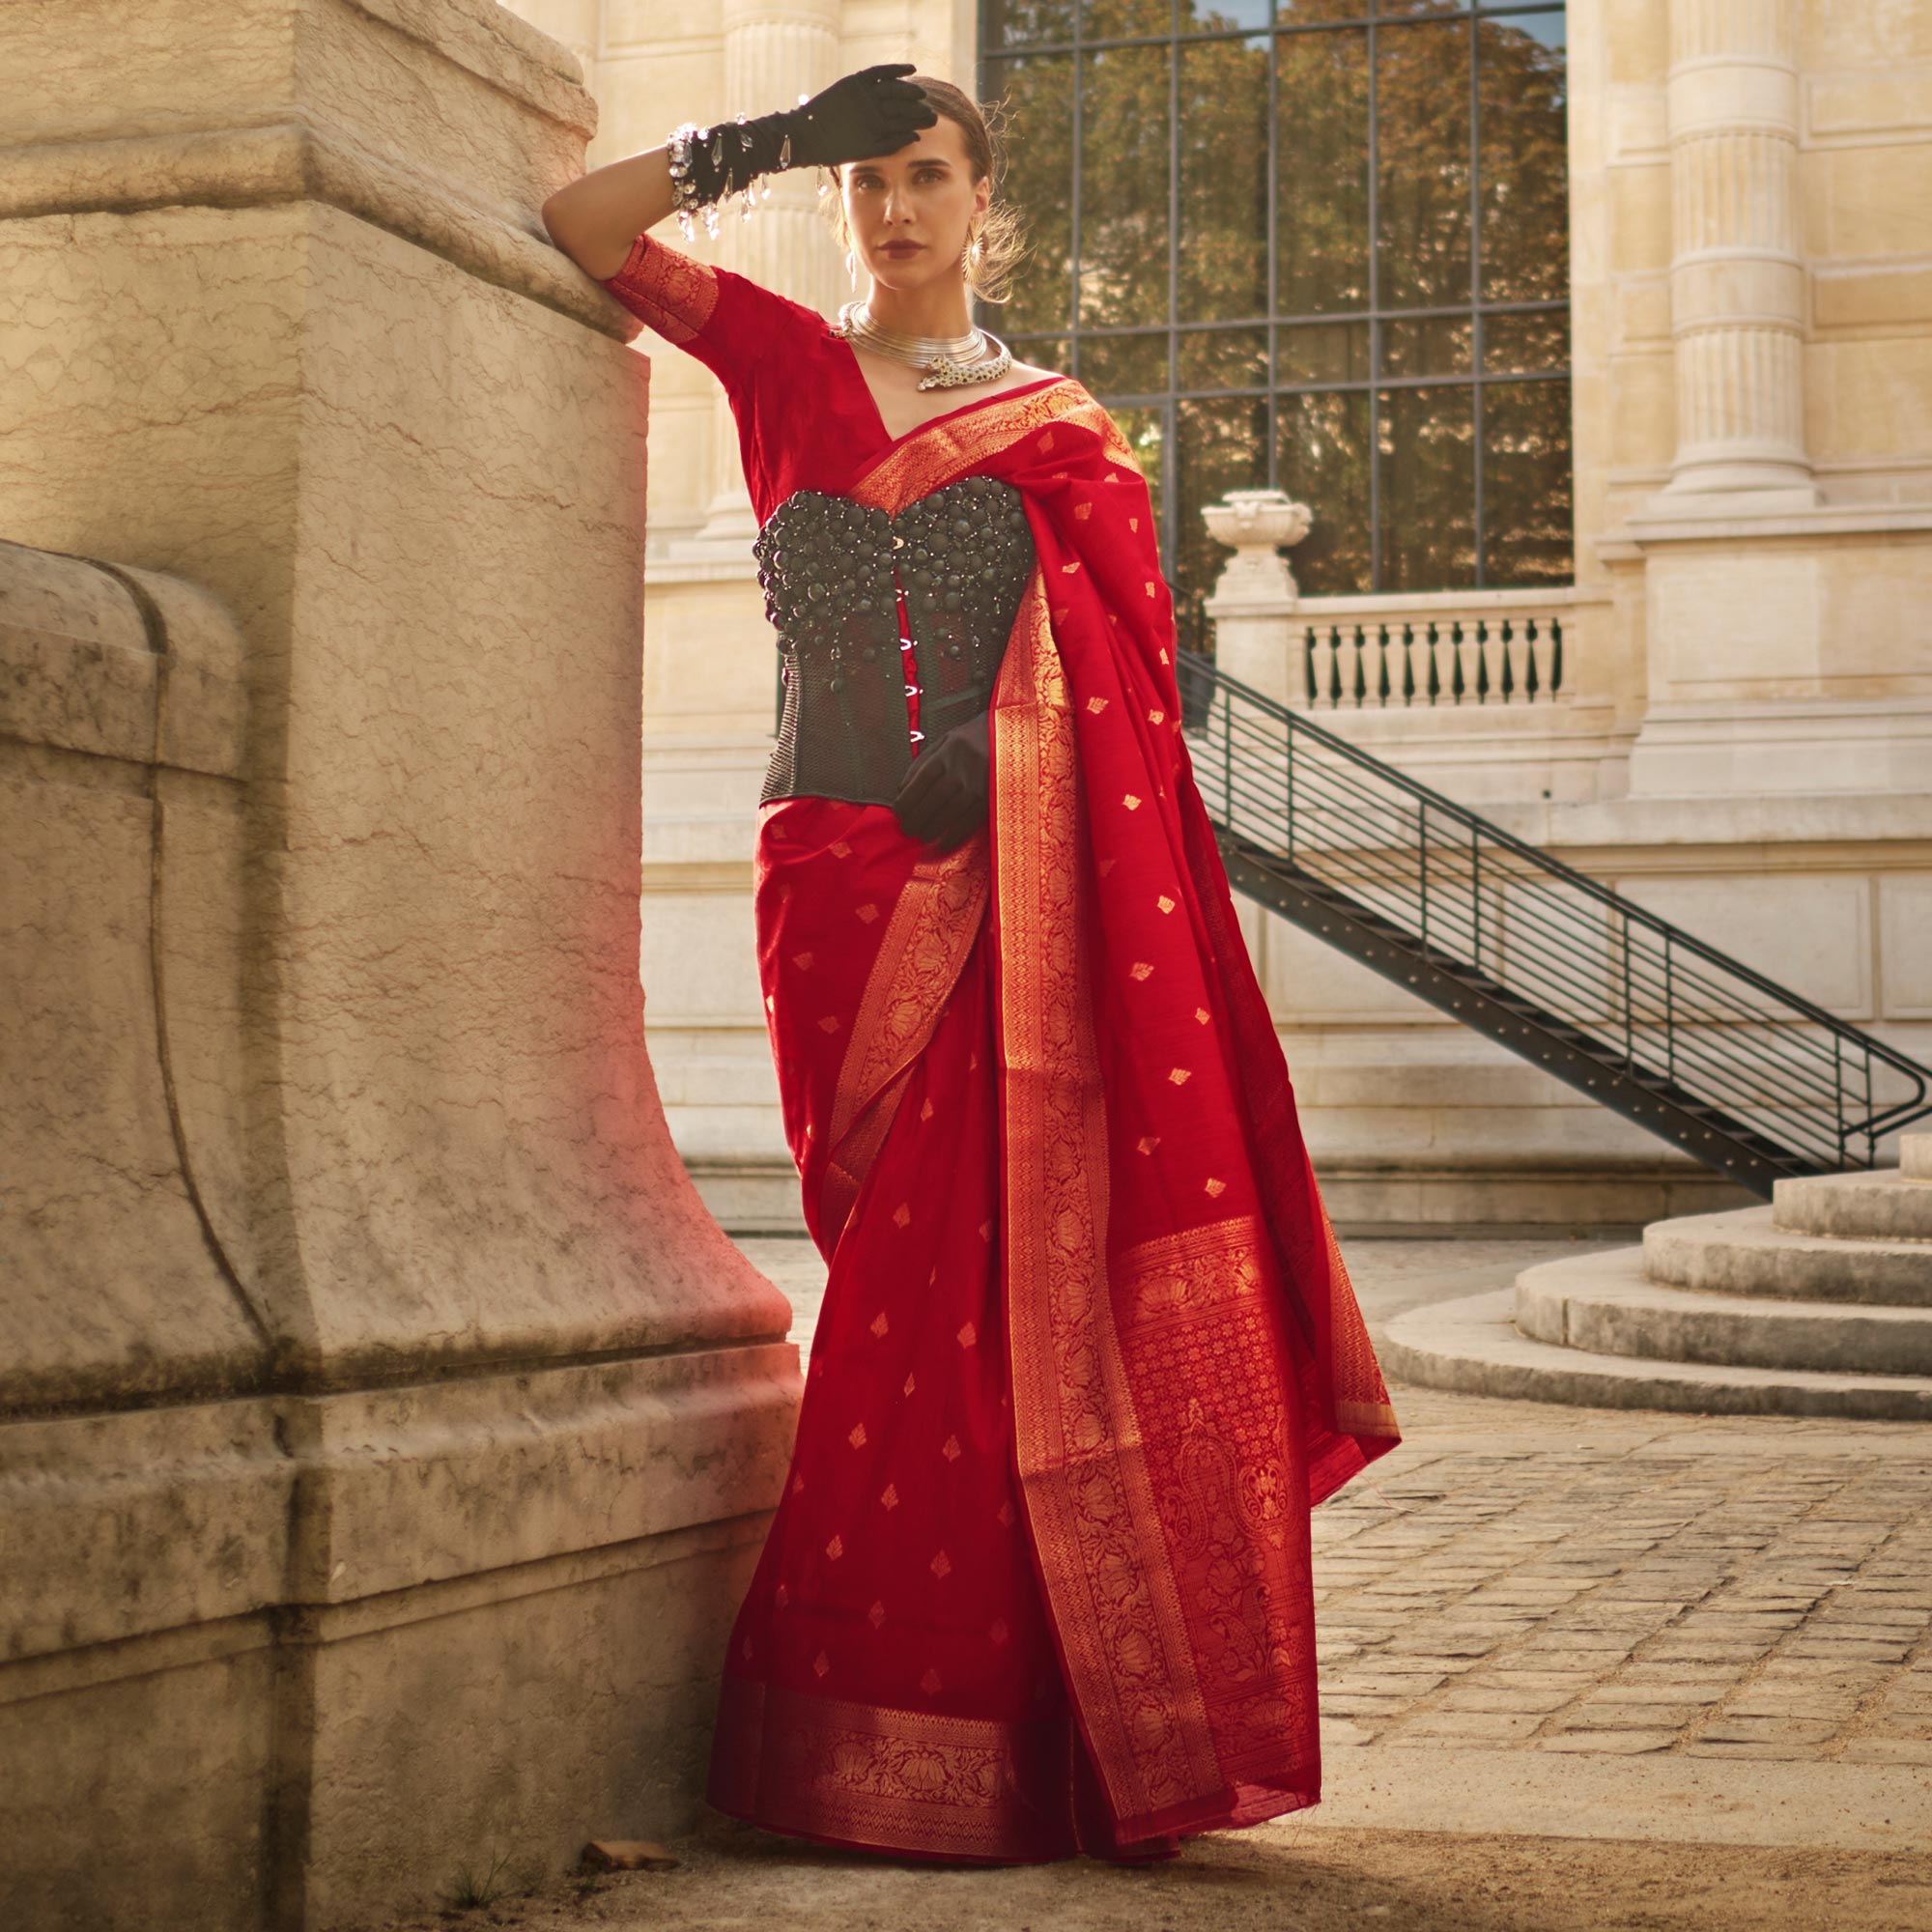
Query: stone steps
(1855, 1207)
(1474, 1345)
(1605, 1303)
(1745, 1252)
(1818, 1305)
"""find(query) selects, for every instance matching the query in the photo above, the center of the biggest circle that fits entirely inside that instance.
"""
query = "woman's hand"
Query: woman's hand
(875, 111)
(944, 799)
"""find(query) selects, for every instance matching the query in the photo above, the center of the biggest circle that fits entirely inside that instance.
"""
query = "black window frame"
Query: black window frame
(1368, 19)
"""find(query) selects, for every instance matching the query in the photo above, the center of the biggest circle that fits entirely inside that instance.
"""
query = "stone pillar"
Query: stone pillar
(710, 706)
(771, 59)
(578, 25)
(385, 1433)
(1254, 599)
(1736, 276)
(1782, 644)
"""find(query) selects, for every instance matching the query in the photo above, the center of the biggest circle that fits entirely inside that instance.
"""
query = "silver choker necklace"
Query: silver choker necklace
(938, 354)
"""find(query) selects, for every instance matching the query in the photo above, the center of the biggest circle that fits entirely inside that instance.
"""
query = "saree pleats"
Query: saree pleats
(892, 1680)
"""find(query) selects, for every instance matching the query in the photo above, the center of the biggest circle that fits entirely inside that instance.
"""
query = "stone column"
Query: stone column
(772, 56)
(385, 1432)
(1782, 647)
(1736, 276)
(578, 26)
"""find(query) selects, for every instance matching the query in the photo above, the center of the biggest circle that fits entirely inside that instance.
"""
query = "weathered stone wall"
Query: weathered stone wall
(385, 1429)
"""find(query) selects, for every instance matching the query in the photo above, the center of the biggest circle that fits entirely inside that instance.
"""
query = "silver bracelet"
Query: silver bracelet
(687, 197)
(684, 191)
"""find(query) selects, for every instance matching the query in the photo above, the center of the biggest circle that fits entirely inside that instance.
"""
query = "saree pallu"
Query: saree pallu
(1039, 1581)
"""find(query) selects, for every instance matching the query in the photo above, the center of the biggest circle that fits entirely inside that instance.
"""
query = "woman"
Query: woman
(1039, 1581)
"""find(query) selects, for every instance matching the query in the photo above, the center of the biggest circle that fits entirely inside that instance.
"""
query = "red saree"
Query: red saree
(1088, 1356)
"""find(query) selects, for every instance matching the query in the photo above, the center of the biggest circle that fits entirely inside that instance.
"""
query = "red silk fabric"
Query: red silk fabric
(1088, 1356)
(1088, 1353)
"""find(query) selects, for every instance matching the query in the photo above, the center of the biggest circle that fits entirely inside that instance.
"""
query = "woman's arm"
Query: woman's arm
(597, 217)
(875, 111)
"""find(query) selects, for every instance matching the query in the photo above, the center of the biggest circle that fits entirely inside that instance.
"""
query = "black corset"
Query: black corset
(963, 554)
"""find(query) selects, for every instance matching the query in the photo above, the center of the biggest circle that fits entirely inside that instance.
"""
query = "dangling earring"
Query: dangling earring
(852, 269)
(971, 258)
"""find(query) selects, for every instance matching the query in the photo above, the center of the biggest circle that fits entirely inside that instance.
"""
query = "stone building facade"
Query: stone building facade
(1741, 736)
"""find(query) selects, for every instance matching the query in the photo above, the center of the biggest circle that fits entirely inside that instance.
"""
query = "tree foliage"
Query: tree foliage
(1421, 165)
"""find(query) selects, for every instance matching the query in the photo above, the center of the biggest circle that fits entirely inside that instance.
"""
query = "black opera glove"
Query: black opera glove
(872, 112)
(944, 799)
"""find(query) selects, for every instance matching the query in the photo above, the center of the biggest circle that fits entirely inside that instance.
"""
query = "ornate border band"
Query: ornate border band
(904, 1781)
(678, 291)
(1104, 1559)
(935, 920)
(945, 450)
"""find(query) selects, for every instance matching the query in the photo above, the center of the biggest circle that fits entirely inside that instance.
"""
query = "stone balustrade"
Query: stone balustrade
(1451, 649)
(1496, 649)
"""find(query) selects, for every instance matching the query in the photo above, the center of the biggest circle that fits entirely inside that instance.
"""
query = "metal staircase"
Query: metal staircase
(1742, 1074)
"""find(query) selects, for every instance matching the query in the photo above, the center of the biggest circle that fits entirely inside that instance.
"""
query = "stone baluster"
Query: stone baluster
(1358, 679)
(1540, 650)
(1493, 637)
(1469, 658)
(1321, 639)
(1737, 279)
(1428, 662)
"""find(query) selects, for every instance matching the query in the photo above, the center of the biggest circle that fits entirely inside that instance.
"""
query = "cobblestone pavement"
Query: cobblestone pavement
(1524, 1577)
(1631, 1596)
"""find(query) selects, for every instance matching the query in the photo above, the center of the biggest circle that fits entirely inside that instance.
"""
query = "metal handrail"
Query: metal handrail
(1724, 1026)
(1530, 928)
(1386, 838)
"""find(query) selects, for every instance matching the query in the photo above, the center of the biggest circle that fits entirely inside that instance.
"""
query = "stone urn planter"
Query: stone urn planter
(1257, 524)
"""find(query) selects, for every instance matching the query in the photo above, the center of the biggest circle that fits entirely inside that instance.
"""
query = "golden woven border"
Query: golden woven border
(1363, 1406)
(1194, 1270)
(1104, 1563)
(935, 455)
(670, 291)
(935, 920)
(902, 1780)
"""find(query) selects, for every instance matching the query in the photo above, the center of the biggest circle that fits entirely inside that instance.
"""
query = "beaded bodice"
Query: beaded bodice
(830, 569)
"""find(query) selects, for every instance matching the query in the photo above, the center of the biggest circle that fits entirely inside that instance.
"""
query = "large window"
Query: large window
(1322, 245)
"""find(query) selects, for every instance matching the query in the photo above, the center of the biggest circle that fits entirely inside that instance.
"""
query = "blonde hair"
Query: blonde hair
(1002, 235)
